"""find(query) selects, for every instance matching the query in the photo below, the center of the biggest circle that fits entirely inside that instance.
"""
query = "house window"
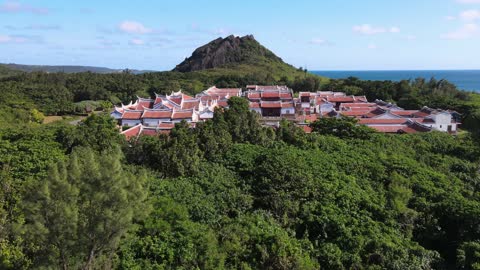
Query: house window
(288, 111)
(440, 126)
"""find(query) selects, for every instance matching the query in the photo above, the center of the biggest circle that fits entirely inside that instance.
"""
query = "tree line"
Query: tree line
(232, 194)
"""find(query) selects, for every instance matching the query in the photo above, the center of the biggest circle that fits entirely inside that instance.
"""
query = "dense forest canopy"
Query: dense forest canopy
(232, 194)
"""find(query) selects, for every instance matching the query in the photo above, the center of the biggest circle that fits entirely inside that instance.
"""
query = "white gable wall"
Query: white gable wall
(152, 122)
(131, 123)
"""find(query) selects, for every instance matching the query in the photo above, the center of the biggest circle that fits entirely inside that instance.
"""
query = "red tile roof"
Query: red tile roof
(158, 100)
(388, 129)
(286, 96)
(376, 121)
(156, 114)
(144, 104)
(404, 112)
(358, 105)
(177, 99)
(254, 105)
(309, 118)
(166, 125)
(186, 97)
(182, 115)
(132, 132)
(223, 103)
(271, 104)
(307, 129)
(271, 94)
(149, 132)
(190, 104)
(132, 115)
(340, 99)
(287, 105)
(421, 114)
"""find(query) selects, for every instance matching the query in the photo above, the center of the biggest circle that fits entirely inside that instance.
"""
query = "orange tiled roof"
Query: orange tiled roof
(132, 132)
(132, 115)
(166, 125)
(376, 121)
(270, 94)
(190, 104)
(287, 105)
(271, 104)
(156, 114)
(340, 99)
(388, 129)
(182, 115)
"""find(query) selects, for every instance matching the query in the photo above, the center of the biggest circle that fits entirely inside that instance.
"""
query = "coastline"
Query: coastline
(467, 80)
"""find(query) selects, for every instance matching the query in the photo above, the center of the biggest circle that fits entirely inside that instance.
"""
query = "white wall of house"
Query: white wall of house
(206, 115)
(154, 122)
(443, 121)
(327, 107)
(189, 120)
(116, 115)
(290, 110)
(131, 123)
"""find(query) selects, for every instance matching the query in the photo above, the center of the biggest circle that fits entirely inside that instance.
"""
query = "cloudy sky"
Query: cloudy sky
(321, 35)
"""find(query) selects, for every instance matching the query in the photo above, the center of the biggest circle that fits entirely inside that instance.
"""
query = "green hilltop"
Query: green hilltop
(239, 56)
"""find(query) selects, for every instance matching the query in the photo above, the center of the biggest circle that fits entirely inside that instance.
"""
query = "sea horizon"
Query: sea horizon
(464, 79)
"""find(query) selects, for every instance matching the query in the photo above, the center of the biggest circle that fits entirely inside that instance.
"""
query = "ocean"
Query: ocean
(468, 80)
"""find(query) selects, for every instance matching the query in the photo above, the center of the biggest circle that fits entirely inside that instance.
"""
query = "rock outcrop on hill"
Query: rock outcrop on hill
(227, 52)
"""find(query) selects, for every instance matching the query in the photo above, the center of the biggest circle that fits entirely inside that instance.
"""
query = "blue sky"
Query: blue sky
(321, 35)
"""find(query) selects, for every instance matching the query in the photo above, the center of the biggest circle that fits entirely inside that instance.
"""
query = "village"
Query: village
(150, 117)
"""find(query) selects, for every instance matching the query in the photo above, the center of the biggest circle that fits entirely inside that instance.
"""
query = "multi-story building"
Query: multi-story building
(271, 101)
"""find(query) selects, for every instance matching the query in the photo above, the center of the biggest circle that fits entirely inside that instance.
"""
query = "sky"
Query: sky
(318, 35)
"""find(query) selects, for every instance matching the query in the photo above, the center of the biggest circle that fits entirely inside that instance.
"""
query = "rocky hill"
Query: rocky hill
(229, 52)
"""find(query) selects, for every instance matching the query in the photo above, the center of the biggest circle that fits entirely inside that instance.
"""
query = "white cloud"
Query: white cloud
(319, 41)
(17, 7)
(372, 46)
(137, 42)
(467, 31)
(470, 15)
(450, 18)
(469, 1)
(12, 39)
(394, 30)
(367, 29)
(133, 27)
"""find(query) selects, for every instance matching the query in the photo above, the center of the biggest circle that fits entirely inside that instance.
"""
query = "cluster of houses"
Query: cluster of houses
(274, 103)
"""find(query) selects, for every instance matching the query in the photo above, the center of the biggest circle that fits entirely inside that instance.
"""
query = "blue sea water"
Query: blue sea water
(464, 79)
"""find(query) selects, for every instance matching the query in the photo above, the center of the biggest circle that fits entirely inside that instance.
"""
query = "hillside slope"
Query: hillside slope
(6, 72)
(238, 56)
(66, 69)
